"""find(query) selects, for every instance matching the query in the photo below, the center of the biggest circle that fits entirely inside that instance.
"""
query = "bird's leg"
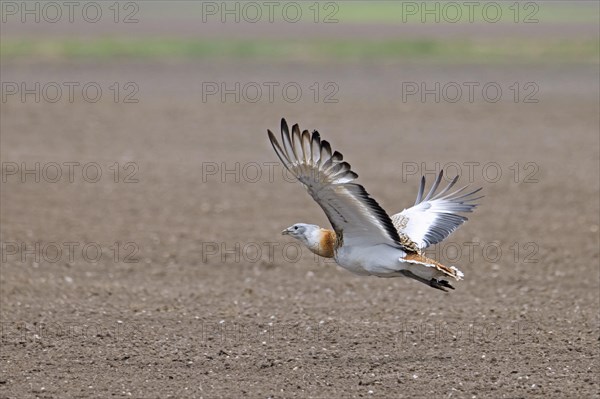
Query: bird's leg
(439, 284)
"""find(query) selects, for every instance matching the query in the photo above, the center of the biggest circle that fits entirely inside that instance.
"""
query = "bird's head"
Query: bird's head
(319, 241)
(302, 232)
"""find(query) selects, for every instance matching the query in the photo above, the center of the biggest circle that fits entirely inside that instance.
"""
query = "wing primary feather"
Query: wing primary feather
(448, 187)
(421, 190)
(339, 169)
(315, 143)
(325, 152)
(297, 145)
(306, 147)
(278, 150)
(332, 161)
(287, 141)
(475, 199)
(453, 194)
(468, 195)
(434, 186)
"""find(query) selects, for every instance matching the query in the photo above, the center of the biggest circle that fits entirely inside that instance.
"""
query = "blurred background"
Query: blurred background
(141, 203)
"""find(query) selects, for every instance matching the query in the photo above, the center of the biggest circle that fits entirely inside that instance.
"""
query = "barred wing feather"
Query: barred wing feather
(354, 215)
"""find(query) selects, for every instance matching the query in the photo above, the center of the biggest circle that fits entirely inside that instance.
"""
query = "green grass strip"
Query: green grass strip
(462, 51)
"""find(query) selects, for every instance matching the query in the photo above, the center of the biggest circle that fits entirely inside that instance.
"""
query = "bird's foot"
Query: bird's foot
(440, 284)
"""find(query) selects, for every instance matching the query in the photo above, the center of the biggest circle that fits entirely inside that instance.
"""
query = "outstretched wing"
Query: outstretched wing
(355, 216)
(434, 217)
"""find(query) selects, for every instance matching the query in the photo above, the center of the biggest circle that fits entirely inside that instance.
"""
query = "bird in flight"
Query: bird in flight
(365, 240)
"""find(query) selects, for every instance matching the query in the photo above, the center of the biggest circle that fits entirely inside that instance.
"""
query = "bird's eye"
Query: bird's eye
(295, 227)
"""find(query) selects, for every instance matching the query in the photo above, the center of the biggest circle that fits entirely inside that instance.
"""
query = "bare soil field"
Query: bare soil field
(153, 266)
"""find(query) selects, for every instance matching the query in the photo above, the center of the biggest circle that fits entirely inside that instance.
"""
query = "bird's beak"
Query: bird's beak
(285, 232)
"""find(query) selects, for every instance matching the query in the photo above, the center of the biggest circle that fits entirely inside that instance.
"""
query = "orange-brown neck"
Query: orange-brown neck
(326, 244)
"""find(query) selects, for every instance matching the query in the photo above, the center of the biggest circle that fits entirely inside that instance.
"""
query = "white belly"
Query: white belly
(379, 260)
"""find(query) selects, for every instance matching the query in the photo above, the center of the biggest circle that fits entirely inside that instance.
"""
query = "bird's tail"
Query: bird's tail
(429, 271)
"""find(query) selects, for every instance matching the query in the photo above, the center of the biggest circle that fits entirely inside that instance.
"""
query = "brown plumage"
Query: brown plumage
(422, 259)
(328, 243)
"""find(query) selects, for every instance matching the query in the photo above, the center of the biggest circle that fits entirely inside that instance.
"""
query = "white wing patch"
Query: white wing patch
(436, 216)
